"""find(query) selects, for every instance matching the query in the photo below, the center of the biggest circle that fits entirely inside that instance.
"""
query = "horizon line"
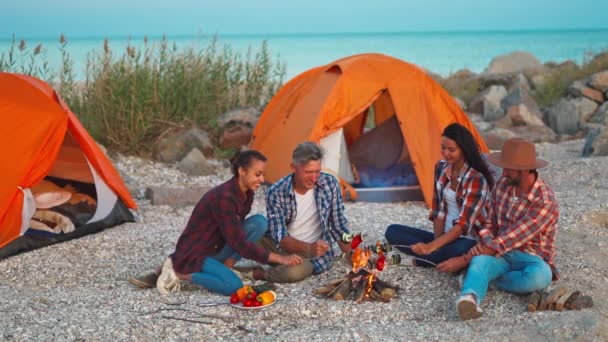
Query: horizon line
(308, 34)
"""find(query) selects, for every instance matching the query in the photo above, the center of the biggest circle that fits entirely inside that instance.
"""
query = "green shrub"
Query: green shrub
(558, 80)
(127, 100)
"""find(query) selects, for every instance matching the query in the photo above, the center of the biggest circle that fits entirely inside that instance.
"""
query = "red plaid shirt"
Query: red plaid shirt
(216, 220)
(472, 196)
(528, 223)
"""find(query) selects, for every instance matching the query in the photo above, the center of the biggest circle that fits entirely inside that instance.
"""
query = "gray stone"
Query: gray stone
(496, 137)
(596, 142)
(514, 62)
(479, 123)
(599, 81)
(579, 89)
(488, 102)
(236, 127)
(461, 103)
(600, 116)
(520, 107)
(566, 116)
(195, 164)
(176, 146)
(519, 82)
(535, 133)
(176, 197)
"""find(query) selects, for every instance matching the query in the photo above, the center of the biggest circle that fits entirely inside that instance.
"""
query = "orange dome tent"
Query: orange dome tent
(46, 151)
(338, 97)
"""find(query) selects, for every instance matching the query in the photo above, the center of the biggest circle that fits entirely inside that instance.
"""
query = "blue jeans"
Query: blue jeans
(403, 235)
(515, 271)
(214, 275)
(255, 227)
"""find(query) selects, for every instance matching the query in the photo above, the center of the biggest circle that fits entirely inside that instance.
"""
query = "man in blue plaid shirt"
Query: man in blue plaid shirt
(305, 216)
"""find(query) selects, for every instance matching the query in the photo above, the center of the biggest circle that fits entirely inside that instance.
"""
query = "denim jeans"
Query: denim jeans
(214, 275)
(403, 235)
(515, 271)
(255, 227)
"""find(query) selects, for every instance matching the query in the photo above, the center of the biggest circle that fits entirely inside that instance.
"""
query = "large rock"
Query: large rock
(567, 115)
(488, 103)
(175, 147)
(195, 164)
(600, 116)
(517, 61)
(496, 137)
(596, 143)
(536, 133)
(236, 127)
(520, 107)
(599, 81)
(579, 89)
(175, 197)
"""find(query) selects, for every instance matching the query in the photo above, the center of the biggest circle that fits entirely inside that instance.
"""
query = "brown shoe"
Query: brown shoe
(146, 280)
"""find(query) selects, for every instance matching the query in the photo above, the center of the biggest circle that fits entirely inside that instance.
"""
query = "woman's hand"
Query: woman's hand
(422, 248)
(480, 249)
(452, 265)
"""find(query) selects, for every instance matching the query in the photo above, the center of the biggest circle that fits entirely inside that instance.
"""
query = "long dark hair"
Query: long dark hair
(244, 158)
(470, 149)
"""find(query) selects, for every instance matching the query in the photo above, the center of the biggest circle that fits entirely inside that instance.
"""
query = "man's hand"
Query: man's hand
(422, 248)
(480, 249)
(452, 265)
(290, 260)
(318, 248)
(345, 247)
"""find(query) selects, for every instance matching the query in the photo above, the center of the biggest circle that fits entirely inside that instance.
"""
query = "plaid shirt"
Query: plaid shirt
(216, 220)
(281, 209)
(472, 197)
(528, 224)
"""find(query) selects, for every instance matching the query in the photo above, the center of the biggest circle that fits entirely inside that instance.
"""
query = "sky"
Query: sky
(82, 18)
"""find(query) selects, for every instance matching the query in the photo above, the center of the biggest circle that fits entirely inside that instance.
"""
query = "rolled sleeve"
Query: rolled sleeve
(338, 223)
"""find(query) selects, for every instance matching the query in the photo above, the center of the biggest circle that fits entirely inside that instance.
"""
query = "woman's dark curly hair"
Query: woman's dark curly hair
(244, 158)
(470, 149)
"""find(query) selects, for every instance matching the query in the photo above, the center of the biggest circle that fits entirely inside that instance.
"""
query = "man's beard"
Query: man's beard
(514, 181)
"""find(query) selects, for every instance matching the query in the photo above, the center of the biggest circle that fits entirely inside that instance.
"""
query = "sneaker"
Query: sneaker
(167, 282)
(467, 307)
(145, 281)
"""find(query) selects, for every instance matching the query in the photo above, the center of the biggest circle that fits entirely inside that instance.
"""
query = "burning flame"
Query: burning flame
(359, 259)
(370, 281)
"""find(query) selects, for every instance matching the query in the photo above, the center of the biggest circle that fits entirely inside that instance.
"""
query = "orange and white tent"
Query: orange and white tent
(42, 141)
(332, 103)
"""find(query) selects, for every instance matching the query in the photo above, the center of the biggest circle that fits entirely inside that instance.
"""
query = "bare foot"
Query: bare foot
(229, 262)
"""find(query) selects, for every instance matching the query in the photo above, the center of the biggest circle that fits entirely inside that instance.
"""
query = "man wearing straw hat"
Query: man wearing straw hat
(516, 250)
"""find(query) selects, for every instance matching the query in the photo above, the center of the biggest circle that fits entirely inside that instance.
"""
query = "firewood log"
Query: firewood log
(386, 292)
(360, 290)
(559, 305)
(554, 295)
(580, 302)
(543, 302)
(379, 297)
(324, 290)
(343, 290)
(568, 303)
(534, 301)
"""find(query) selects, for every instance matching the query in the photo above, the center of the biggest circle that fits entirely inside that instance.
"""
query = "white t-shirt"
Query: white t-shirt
(307, 226)
(450, 199)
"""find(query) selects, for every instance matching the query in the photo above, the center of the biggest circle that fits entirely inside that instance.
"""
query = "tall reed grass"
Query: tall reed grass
(129, 98)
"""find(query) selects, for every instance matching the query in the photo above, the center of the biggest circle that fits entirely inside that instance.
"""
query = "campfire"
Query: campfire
(363, 281)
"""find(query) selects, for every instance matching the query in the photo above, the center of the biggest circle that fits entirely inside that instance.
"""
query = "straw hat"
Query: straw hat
(517, 154)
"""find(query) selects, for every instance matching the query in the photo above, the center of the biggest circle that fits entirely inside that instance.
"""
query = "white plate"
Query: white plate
(240, 306)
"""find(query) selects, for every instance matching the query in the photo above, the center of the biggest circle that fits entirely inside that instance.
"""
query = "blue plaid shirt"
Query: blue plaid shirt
(281, 209)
